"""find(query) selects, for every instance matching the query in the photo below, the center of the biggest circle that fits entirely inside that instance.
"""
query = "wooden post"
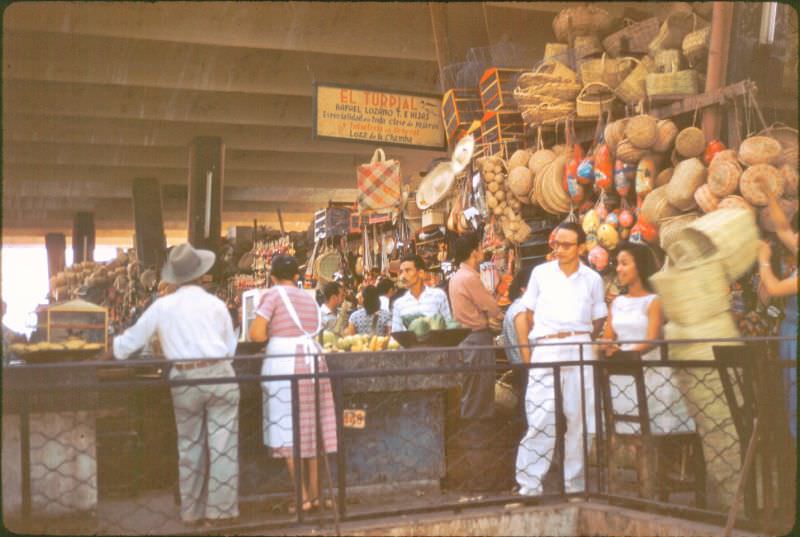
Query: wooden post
(56, 246)
(206, 176)
(438, 12)
(83, 237)
(719, 46)
(149, 239)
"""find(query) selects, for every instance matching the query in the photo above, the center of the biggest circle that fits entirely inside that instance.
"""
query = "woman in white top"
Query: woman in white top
(636, 315)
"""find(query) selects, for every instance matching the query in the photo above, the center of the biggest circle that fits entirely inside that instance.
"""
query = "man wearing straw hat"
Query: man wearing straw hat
(565, 302)
(193, 327)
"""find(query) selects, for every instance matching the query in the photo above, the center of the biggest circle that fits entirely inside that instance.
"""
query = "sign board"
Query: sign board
(354, 419)
(377, 117)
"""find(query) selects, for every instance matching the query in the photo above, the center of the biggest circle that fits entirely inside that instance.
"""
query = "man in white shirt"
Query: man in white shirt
(418, 298)
(332, 296)
(565, 302)
(191, 325)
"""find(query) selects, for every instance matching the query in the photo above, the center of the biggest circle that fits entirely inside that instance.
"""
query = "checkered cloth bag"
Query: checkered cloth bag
(379, 183)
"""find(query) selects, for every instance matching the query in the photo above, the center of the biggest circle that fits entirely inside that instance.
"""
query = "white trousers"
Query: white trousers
(207, 420)
(535, 453)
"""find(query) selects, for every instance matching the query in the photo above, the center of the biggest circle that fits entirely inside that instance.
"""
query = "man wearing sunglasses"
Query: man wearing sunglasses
(565, 303)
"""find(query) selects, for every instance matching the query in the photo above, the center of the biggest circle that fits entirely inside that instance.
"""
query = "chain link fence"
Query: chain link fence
(139, 447)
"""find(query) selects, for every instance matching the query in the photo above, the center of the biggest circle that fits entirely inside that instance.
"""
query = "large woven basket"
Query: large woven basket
(555, 50)
(609, 71)
(695, 45)
(668, 61)
(788, 138)
(655, 206)
(721, 325)
(634, 38)
(689, 174)
(587, 45)
(668, 228)
(674, 29)
(729, 235)
(546, 112)
(594, 105)
(723, 177)
(585, 19)
(759, 150)
(632, 89)
(690, 142)
(753, 177)
(641, 131)
(326, 266)
(695, 294)
(686, 82)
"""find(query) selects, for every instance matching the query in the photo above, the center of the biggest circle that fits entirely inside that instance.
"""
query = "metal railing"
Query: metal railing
(133, 447)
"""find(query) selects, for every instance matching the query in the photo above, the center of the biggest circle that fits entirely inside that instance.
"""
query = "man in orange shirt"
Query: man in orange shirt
(475, 308)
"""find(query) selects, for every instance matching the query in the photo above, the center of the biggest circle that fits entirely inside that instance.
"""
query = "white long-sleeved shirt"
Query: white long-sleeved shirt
(190, 324)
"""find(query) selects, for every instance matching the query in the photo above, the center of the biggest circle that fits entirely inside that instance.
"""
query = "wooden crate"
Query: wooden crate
(460, 107)
(497, 89)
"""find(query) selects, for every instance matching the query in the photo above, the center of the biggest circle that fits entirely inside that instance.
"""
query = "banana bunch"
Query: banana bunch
(71, 344)
(357, 343)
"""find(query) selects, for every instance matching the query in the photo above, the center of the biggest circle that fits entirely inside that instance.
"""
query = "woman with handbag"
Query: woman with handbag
(289, 319)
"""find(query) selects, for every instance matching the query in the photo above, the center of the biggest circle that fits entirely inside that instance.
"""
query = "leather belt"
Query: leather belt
(193, 364)
(562, 335)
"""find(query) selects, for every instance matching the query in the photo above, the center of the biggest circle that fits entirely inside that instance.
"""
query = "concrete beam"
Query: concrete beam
(13, 173)
(25, 203)
(136, 102)
(62, 57)
(54, 153)
(333, 27)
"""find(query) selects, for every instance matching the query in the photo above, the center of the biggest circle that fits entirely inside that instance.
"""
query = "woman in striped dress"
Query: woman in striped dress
(289, 318)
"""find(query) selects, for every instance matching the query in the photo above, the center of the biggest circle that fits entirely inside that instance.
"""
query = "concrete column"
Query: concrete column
(148, 220)
(206, 176)
(83, 237)
(56, 245)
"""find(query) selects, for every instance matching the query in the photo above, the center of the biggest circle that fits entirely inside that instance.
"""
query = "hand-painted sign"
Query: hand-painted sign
(377, 117)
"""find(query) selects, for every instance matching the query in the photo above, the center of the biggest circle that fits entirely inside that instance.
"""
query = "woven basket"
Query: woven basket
(326, 266)
(723, 177)
(655, 206)
(721, 325)
(540, 159)
(641, 131)
(634, 38)
(587, 45)
(668, 61)
(788, 139)
(735, 202)
(693, 295)
(686, 82)
(690, 142)
(674, 29)
(538, 114)
(632, 89)
(726, 154)
(668, 228)
(705, 199)
(689, 174)
(663, 177)
(753, 177)
(555, 50)
(666, 132)
(729, 235)
(594, 105)
(584, 19)
(614, 133)
(695, 45)
(627, 153)
(759, 150)
(609, 71)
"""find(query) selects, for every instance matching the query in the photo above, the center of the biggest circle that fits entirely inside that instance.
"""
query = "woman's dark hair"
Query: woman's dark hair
(372, 302)
(643, 259)
(384, 286)
(284, 267)
(419, 264)
(464, 246)
(572, 226)
(519, 282)
(330, 290)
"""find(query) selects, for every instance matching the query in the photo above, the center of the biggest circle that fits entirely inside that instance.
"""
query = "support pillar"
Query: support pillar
(148, 221)
(56, 246)
(83, 237)
(718, 50)
(206, 176)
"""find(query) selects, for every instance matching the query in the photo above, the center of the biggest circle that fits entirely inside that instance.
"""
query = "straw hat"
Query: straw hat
(462, 153)
(436, 185)
(185, 264)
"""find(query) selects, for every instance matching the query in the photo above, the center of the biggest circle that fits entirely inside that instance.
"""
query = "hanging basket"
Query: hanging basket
(326, 266)
(723, 177)
(759, 150)
(656, 208)
(753, 177)
(695, 45)
(689, 174)
(593, 105)
(632, 89)
(609, 71)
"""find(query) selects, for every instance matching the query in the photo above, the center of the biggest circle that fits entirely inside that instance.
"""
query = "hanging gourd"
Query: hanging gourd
(603, 168)
(621, 182)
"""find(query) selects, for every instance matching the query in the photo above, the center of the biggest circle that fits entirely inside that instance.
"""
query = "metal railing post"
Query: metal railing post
(341, 459)
(298, 461)
(585, 438)
(25, 447)
(559, 427)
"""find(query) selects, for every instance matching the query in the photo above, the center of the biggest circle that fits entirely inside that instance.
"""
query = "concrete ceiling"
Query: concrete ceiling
(96, 94)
